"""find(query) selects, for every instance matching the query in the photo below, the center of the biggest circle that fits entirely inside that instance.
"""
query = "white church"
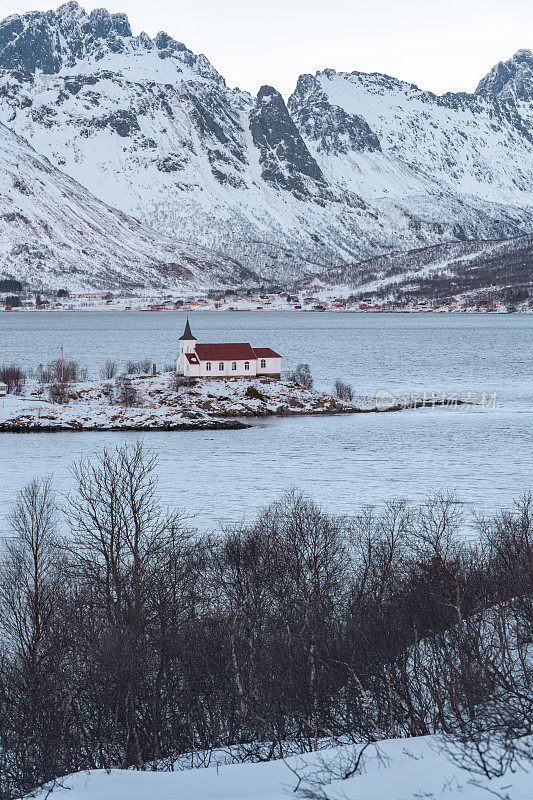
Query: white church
(225, 360)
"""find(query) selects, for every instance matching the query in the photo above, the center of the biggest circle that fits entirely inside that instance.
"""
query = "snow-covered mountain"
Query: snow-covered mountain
(448, 269)
(353, 166)
(54, 233)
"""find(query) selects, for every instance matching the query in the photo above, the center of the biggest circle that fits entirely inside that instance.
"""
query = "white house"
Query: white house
(3, 389)
(225, 360)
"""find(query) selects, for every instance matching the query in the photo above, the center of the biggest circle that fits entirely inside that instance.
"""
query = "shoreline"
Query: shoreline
(187, 310)
(215, 420)
(214, 425)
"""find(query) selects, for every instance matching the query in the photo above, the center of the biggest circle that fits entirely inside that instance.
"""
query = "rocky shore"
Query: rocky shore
(159, 403)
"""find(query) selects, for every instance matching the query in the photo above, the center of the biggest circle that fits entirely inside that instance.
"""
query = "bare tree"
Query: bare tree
(14, 378)
(135, 639)
(126, 392)
(343, 390)
(301, 376)
(109, 370)
(30, 598)
(131, 555)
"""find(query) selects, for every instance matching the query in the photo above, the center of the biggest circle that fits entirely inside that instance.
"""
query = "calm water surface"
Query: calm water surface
(344, 462)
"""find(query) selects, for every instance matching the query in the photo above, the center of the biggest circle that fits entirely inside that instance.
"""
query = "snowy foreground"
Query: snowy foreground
(209, 404)
(400, 769)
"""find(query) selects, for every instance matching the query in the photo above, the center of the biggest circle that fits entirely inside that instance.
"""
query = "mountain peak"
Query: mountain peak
(267, 94)
(285, 160)
(509, 80)
(49, 41)
(524, 53)
(52, 41)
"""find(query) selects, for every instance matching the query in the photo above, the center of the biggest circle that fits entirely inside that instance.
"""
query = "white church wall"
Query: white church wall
(227, 371)
(272, 366)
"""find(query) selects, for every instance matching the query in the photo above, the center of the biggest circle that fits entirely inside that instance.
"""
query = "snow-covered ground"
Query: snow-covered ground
(92, 405)
(400, 769)
(330, 299)
(30, 414)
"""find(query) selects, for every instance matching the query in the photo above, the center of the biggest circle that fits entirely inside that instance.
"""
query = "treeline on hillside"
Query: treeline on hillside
(468, 265)
(132, 639)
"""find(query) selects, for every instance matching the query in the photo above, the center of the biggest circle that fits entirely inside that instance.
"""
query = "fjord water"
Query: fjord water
(344, 462)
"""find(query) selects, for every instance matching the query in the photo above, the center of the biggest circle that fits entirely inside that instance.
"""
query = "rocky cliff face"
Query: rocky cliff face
(51, 41)
(510, 80)
(352, 166)
(285, 160)
(333, 130)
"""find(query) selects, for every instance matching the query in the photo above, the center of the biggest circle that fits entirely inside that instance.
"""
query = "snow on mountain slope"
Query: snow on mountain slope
(53, 233)
(462, 140)
(437, 271)
(356, 165)
(399, 769)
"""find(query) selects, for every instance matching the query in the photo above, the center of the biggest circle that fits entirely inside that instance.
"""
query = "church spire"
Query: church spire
(187, 334)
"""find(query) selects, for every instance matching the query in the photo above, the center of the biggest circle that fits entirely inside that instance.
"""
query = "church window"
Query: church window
(208, 366)
(263, 363)
(246, 365)
(221, 366)
(234, 365)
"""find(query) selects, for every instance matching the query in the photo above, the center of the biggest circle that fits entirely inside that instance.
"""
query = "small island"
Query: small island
(167, 402)
(211, 387)
(164, 402)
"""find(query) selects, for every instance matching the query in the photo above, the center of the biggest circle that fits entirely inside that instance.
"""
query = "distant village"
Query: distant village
(15, 297)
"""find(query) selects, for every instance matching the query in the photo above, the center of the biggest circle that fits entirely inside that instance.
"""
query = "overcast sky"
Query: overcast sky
(441, 45)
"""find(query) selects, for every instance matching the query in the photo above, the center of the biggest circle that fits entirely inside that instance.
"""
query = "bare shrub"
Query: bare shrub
(343, 764)
(490, 726)
(143, 367)
(253, 394)
(301, 376)
(70, 371)
(343, 390)
(62, 371)
(13, 301)
(59, 392)
(126, 393)
(178, 382)
(109, 370)
(13, 377)
(108, 391)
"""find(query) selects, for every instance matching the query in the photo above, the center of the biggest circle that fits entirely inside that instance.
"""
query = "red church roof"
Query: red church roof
(265, 352)
(225, 352)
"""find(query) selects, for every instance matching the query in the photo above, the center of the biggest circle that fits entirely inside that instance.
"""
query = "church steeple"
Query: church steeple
(187, 342)
(187, 334)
